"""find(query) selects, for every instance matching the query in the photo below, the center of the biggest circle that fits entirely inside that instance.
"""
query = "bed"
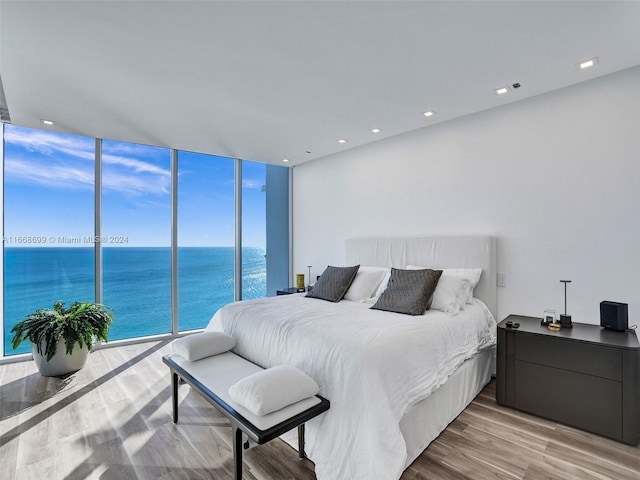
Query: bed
(394, 381)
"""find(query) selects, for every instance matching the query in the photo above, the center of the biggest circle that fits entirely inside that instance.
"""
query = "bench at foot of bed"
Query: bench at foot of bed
(212, 376)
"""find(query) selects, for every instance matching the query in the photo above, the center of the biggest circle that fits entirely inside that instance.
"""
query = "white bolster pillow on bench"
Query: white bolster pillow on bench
(272, 389)
(205, 344)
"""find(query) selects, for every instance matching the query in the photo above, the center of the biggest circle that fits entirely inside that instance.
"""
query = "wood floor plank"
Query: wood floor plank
(507, 432)
(596, 447)
(425, 468)
(484, 452)
(113, 420)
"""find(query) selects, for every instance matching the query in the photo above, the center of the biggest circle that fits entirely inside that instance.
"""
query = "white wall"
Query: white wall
(556, 178)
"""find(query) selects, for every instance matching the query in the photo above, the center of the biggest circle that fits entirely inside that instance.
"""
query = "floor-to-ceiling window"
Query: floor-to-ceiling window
(254, 242)
(72, 203)
(48, 222)
(136, 238)
(206, 237)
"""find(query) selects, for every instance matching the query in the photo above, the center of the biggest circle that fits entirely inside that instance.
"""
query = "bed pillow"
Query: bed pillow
(450, 294)
(473, 274)
(408, 291)
(201, 345)
(384, 283)
(365, 284)
(272, 389)
(333, 283)
(463, 291)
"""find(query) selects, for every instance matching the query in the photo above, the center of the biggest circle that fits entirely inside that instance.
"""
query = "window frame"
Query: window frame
(98, 258)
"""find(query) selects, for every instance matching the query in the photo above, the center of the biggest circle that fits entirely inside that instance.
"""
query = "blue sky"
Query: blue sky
(49, 192)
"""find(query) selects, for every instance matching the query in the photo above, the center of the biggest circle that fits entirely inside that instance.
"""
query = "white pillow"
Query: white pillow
(450, 294)
(383, 284)
(201, 345)
(454, 289)
(473, 274)
(272, 389)
(365, 284)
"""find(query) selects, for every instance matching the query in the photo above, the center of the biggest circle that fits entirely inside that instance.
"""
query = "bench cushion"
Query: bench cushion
(273, 389)
(202, 345)
(217, 373)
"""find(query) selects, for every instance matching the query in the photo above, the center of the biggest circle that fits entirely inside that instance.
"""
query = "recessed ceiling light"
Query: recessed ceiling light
(376, 130)
(429, 113)
(587, 63)
(342, 140)
(285, 160)
(47, 122)
(502, 90)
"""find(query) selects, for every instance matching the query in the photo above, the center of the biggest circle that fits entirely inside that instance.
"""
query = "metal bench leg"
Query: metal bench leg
(174, 387)
(301, 453)
(237, 453)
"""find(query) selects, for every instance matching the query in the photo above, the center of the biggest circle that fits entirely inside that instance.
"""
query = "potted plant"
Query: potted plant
(61, 337)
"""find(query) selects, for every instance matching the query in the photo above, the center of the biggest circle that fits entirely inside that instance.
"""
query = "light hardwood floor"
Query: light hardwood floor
(112, 420)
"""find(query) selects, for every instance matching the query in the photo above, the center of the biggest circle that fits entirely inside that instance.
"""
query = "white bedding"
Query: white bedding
(372, 366)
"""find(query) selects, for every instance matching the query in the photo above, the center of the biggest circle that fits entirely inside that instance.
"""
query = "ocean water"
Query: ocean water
(136, 284)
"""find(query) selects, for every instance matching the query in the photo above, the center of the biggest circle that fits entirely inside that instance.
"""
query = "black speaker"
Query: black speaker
(614, 315)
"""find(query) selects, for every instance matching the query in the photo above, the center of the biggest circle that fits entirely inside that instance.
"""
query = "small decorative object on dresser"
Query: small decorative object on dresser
(549, 320)
(548, 317)
(587, 377)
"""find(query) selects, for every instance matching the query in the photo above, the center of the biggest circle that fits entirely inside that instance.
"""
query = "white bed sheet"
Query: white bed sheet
(371, 365)
(426, 419)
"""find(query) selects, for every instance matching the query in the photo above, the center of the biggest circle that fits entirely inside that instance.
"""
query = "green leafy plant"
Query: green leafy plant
(79, 323)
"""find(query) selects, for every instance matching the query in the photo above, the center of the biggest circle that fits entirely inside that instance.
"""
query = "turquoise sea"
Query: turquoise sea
(136, 284)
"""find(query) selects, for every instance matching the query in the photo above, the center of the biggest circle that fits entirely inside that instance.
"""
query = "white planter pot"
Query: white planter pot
(61, 363)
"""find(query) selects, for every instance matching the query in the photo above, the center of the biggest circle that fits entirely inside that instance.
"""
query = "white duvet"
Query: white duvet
(371, 365)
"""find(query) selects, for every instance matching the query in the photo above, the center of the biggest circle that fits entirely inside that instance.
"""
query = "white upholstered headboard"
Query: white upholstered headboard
(471, 251)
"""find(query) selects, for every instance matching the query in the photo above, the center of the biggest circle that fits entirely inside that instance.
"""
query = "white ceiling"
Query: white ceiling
(271, 80)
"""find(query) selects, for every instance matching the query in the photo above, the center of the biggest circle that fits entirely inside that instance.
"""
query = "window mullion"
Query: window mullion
(237, 274)
(174, 243)
(97, 224)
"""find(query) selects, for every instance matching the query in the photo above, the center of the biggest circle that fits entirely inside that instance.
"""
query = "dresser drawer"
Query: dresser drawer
(581, 357)
(591, 403)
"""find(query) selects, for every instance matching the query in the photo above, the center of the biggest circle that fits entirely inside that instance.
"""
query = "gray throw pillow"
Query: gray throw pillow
(408, 291)
(333, 283)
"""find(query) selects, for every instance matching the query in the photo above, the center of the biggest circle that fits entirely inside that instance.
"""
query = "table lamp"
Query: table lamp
(565, 320)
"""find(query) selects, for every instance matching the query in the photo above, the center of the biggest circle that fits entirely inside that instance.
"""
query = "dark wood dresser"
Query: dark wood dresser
(586, 377)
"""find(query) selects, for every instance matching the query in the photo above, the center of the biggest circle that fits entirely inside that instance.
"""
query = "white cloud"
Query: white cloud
(58, 160)
(136, 166)
(48, 143)
(135, 185)
(50, 176)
